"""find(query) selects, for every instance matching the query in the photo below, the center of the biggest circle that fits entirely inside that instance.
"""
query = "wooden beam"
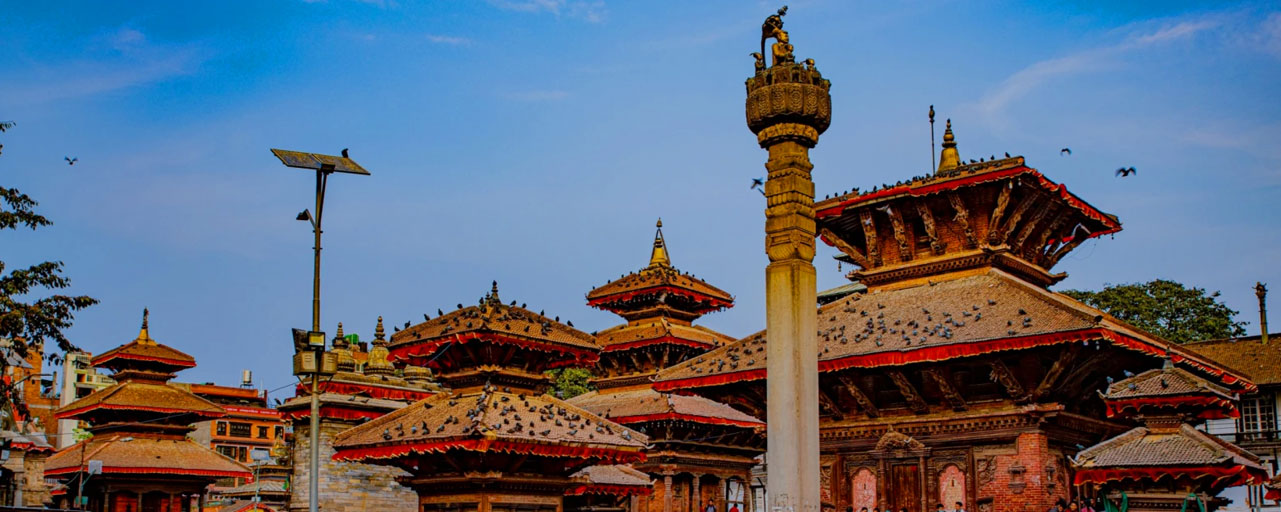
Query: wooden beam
(1036, 253)
(914, 399)
(906, 249)
(1065, 248)
(825, 402)
(869, 233)
(1009, 225)
(1030, 227)
(1002, 375)
(855, 255)
(864, 402)
(1051, 378)
(994, 222)
(962, 218)
(950, 393)
(927, 218)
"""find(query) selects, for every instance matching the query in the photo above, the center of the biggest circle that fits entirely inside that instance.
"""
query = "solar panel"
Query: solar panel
(316, 161)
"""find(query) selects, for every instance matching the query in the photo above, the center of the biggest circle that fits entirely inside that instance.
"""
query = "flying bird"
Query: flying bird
(6, 125)
(1065, 152)
(758, 184)
(344, 153)
(1126, 171)
(70, 160)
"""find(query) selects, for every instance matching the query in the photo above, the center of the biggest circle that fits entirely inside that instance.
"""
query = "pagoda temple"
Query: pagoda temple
(700, 451)
(611, 488)
(1166, 463)
(495, 441)
(957, 376)
(365, 387)
(140, 444)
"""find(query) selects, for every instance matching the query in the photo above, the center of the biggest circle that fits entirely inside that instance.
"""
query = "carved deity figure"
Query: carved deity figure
(773, 28)
(783, 49)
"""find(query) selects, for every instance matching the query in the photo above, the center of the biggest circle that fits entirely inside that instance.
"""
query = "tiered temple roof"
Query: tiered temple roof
(140, 423)
(1166, 452)
(495, 432)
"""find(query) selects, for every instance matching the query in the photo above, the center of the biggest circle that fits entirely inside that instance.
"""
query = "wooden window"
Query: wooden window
(1258, 417)
(262, 432)
(241, 429)
(222, 428)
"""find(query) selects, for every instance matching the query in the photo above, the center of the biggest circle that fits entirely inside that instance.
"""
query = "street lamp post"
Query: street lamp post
(316, 363)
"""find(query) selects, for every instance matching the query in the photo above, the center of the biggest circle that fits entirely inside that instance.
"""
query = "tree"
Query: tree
(1167, 309)
(570, 382)
(30, 313)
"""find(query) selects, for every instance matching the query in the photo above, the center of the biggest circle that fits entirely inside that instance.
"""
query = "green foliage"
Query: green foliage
(570, 382)
(30, 314)
(1167, 309)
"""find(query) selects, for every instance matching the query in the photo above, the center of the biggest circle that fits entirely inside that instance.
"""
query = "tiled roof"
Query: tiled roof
(614, 474)
(144, 350)
(641, 404)
(1261, 362)
(1170, 449)
(261, 486)
(123, 454)
(492, 318)
(141, 396)
(658, 278)
(661, 329)
(476, 420)
(30, 441)
(931, 321)
(1160, 382)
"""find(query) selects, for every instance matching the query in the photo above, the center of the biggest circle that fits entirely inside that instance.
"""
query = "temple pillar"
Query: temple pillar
(788, 106)
(667, 492)
(696, 494)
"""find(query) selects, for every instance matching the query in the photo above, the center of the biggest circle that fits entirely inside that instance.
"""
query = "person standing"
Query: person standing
(710, 507)
(960, 507)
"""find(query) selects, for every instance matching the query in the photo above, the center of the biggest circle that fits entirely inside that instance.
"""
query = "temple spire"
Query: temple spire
(950, 159)
(143, 335)
(659, 256)
(379, 333)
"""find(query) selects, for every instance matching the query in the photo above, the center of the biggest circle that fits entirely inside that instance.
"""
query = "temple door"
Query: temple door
(905, 488)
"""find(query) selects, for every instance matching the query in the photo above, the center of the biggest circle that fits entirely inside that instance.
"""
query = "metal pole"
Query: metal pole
(933, 165)
(1261, 291)
(314, 480)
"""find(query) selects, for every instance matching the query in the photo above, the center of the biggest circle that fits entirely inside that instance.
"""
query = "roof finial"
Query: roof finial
(659, 256)
(950, 159)
(143, 335)
(492, 298)
(379, 333)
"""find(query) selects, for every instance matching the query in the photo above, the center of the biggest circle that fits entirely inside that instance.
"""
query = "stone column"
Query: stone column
(788, 106)
(667, 493)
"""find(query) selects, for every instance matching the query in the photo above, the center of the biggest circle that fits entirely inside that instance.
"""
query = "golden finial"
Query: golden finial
(339, 335)
(379, 333)
(143, 334)
(950, 158)
(659, 256)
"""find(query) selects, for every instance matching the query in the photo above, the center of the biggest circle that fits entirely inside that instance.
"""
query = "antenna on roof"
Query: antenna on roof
(933, 164)
(1261, 291)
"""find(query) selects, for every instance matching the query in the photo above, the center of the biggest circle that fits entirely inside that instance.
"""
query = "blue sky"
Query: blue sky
(535, 142)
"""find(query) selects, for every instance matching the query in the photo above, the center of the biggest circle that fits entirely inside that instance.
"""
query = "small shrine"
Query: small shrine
(365, 387)
(1166, 463)
(139, 456)
(701, 451)
(495, 441)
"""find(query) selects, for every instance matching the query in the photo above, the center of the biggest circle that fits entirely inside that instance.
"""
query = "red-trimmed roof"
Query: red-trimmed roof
(143, 397)
(123, 454)
(943, 183)
(494, 322)
(143, 350)
(643, 404)
(659, 331)
(491, 420)
(617, 480)
(1177, 453)
(936, 321)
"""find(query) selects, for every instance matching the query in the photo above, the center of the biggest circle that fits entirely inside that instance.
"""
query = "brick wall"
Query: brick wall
(1027, 477)
(345, 486)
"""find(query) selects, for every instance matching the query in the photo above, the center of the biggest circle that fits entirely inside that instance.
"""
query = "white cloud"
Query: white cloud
(1028, 79)
(591, 11)
(136, 61)
(1270, 34)
(449, 40)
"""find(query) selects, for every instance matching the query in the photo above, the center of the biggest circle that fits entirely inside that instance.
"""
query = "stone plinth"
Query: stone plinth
(345, 486)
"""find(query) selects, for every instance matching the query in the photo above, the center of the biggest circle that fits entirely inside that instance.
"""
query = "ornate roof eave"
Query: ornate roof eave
(968, 176)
